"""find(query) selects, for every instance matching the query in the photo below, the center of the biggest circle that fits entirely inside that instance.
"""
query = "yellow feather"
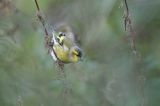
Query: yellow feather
(65, 55)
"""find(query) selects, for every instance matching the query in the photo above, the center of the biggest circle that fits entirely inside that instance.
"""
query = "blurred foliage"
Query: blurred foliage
(106, 77)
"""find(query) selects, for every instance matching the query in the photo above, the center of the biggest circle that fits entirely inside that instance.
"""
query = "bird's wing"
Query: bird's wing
(53, 55)
(52, 52)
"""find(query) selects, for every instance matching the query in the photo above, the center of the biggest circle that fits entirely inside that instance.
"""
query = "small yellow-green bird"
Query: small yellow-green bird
(65, 48)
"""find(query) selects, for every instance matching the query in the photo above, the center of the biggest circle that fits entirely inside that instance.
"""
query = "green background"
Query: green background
(108, 75)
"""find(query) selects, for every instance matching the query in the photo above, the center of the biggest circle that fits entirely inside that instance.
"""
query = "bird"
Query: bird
(65, 48)
(67, 55)
(62, 45)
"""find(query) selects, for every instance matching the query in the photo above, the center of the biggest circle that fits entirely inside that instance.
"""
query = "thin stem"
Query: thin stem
(127, 9)
(37, 5)
(47, 42)
(138, 62)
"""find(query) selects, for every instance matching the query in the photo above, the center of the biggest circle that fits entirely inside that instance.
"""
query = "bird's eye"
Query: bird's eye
(60, 38)
(61, 34)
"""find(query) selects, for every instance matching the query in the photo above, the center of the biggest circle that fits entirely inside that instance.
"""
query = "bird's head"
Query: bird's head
(61, 37)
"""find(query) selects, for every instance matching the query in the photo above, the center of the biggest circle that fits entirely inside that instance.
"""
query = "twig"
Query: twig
(42, 20)
(48, 43)
(138, 62)
(129, 27)
(37, 5)
(127, 18)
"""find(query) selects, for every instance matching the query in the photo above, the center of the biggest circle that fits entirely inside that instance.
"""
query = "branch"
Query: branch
(37, 5)
(43, 22)
(41, 18)
(48, 42)
(138, 62)
(129, 28)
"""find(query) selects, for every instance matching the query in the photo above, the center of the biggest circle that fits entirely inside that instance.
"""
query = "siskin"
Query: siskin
(65, 48)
